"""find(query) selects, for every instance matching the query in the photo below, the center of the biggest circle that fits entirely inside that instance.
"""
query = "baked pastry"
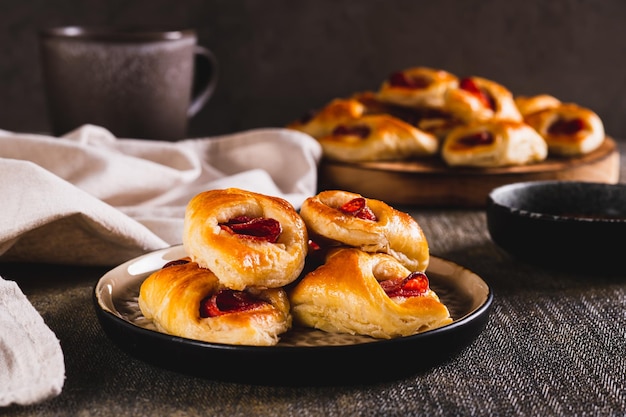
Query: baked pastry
(343, 218)
(478, 98)
(183, 299)
(245, 238)
(493, 143)
(377, 137)
(568, 129)
(369, 294)
(417, 87)
(322, 122)
(532, 104)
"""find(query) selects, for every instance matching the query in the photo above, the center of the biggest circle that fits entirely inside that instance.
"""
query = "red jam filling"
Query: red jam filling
(259, 228)
(400, 79)
(314, 246)
(228, 301)
(566, 127)
(477, 139)
(469, 85)
(176, 262)
(362, 131)
(357, 207)
(414, 285)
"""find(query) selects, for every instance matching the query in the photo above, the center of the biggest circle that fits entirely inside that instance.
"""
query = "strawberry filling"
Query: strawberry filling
(566, 127)
(258, 228)
(470, 86)
(357, 207)
(414, 285)
(228, 301)
(362, 131)
(400, 79)
(477, 139)
(176, 262)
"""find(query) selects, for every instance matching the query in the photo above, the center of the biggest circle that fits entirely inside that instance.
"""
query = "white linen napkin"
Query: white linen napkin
(31, 359)
(90, 198)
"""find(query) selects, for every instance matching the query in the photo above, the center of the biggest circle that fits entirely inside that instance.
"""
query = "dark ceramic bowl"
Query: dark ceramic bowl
(563, 224)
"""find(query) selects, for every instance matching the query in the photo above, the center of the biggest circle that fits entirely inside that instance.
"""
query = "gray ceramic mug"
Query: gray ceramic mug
(136, 82)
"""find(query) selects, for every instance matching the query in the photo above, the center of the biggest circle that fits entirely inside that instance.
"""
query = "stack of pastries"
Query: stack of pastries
(256, 266)
(471, 121)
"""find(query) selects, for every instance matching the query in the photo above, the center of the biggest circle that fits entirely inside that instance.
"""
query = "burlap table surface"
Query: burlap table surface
(555, 344)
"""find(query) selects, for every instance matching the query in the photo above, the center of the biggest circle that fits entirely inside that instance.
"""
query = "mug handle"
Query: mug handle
(204, 81)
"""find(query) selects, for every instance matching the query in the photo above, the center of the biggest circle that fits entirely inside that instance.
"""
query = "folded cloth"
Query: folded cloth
(31, 359)
(89, 198)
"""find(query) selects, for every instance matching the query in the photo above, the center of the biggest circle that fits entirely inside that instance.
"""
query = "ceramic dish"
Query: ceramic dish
(303, 356)
(563, 224)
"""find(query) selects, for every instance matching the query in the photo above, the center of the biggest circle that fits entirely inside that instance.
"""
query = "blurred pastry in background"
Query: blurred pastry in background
(568, 129)
(417, 87)
(377, 137)
(531, 104)
(478, 98)
(493, 143)
(320, 123)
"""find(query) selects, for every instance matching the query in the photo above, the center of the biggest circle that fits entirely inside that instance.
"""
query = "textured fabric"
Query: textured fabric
(31, 357)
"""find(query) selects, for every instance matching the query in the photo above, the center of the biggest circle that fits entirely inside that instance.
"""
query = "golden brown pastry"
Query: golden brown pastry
(322, 122)
(344, 218)
(377, 137)
(185, 300)
(367, 294)
(532, 104)
(568, 129)
(493, 143)
(417, 87)
(478, 98)
(245, 238)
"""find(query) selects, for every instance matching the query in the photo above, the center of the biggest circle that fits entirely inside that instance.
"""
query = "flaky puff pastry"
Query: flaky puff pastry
(173, 298)
(568, 129)
(493, 143)
(238, 259)
(478, 98)
(344, 295)
(528, 105)
(417, 87)
(322, 122)
(336, 217)
(377, 137)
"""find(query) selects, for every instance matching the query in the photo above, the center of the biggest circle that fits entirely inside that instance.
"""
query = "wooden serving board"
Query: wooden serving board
(430, 182)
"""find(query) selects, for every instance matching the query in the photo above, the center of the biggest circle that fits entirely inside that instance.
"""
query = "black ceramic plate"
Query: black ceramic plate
(303, 356)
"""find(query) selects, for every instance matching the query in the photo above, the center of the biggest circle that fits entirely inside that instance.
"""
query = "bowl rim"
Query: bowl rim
(494, 199)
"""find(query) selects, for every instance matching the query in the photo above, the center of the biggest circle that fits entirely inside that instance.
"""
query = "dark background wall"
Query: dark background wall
(280, 58)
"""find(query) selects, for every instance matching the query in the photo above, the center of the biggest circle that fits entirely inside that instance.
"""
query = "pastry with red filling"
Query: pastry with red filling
(246, 239)
(342, 218)
(377, 137)
(493, 143)
(568, 129)
(528, 105)
(417, 87)
(371, 294)
(322, 122)
(478, 98)
(183, 299)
